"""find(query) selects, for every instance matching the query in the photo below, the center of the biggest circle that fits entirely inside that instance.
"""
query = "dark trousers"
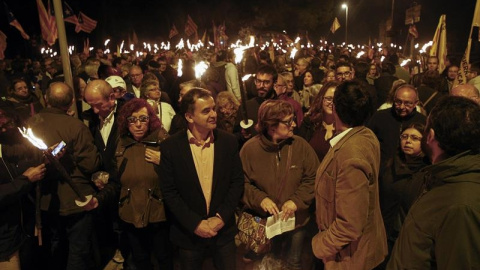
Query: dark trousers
(148, 242)
(70, 240)
(223, 257)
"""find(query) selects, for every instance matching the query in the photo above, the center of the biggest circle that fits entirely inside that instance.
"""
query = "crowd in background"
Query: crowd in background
(129, 108)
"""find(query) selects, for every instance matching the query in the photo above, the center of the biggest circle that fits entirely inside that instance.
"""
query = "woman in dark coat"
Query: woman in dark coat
(141, 205)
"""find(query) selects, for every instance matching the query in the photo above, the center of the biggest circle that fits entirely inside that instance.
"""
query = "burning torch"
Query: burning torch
(81, 200)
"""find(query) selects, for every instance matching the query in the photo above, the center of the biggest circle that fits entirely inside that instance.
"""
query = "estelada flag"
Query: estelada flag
(47, 23)
(190, 26)
(68, 14)
(85, 23)
(335, 25)
(14, 22)
(412, 30)
(173, 32)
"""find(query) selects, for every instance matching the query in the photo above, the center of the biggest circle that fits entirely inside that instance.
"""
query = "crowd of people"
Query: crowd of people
(378, 164)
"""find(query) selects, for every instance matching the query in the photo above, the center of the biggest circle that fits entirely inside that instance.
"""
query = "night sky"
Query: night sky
(152, 19)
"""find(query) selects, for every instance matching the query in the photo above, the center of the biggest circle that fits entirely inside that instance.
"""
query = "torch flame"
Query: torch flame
(179, 68)
(246, 77)
(28, 134)
(293, 52)
(106, 42)
(200, 68)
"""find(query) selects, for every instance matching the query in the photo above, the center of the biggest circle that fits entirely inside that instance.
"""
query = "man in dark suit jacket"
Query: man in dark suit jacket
(202, 182)
(102, 122)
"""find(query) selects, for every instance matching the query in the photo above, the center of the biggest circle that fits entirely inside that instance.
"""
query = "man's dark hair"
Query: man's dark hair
(267, 69)
(116, 61)
(388, 67)
(361, 70)
(353, 103)
(394, 59)
(190, 98)
(222, 55)
(58, 101)
(344, 64)
(475, 67)
(456, 123)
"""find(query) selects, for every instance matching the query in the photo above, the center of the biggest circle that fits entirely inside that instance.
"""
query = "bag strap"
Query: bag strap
(284, 178)
(430, 98)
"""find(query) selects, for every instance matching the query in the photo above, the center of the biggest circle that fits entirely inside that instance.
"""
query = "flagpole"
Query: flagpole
(62, 40)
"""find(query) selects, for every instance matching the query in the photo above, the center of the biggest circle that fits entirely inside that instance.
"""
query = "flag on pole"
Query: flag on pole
(463, 69)
(3, 44)
(47, 24)
(204, 37)
(173, 32)
(476, 18)
(335, 25)
(86, 46)
(68, 14)
(134, 38)
(190, 26)
(439, 46)
(412, 30)
(14, 22)
(85, 23)
(215, 37)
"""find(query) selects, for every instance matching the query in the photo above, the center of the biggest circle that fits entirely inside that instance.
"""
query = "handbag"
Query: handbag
(251, 229)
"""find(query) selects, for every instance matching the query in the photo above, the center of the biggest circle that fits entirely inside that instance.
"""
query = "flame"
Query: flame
(293, 52)
(404, 62)
(200, 68)
(28, 134)
(246, 77)
(179, 68)
(106, 42)
(180, 44)
(360, 54)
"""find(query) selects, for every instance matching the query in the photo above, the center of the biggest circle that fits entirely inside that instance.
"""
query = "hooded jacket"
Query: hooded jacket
(441, 230)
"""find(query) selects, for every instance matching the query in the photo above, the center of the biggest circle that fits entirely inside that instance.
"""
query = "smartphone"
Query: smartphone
(58, 148)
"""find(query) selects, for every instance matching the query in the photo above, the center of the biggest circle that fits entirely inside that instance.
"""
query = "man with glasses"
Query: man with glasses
(264, 79)
(388, 123)
(344, 72)
(135, 75)
(441, 230)
(280, 88)
(473, 74)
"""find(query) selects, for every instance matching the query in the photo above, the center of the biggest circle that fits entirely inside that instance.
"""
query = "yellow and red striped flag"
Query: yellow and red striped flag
(47, 23)
(190, 26)
(14, 22)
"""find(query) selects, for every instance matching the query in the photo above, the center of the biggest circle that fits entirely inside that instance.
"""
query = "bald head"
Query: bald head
(59, 95)
(99, 87)
(99, 95)
(466, 90)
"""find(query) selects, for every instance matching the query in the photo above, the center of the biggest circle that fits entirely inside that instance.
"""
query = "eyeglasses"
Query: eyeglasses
(288, 123)
(399, 103)
(280, 85)
(414, 138)
(260, 82)
(328, 100)
(344, 74)
(154, 89)
(132, 120)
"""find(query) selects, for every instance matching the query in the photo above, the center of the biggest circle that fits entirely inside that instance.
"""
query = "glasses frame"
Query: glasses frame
(132, 120)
